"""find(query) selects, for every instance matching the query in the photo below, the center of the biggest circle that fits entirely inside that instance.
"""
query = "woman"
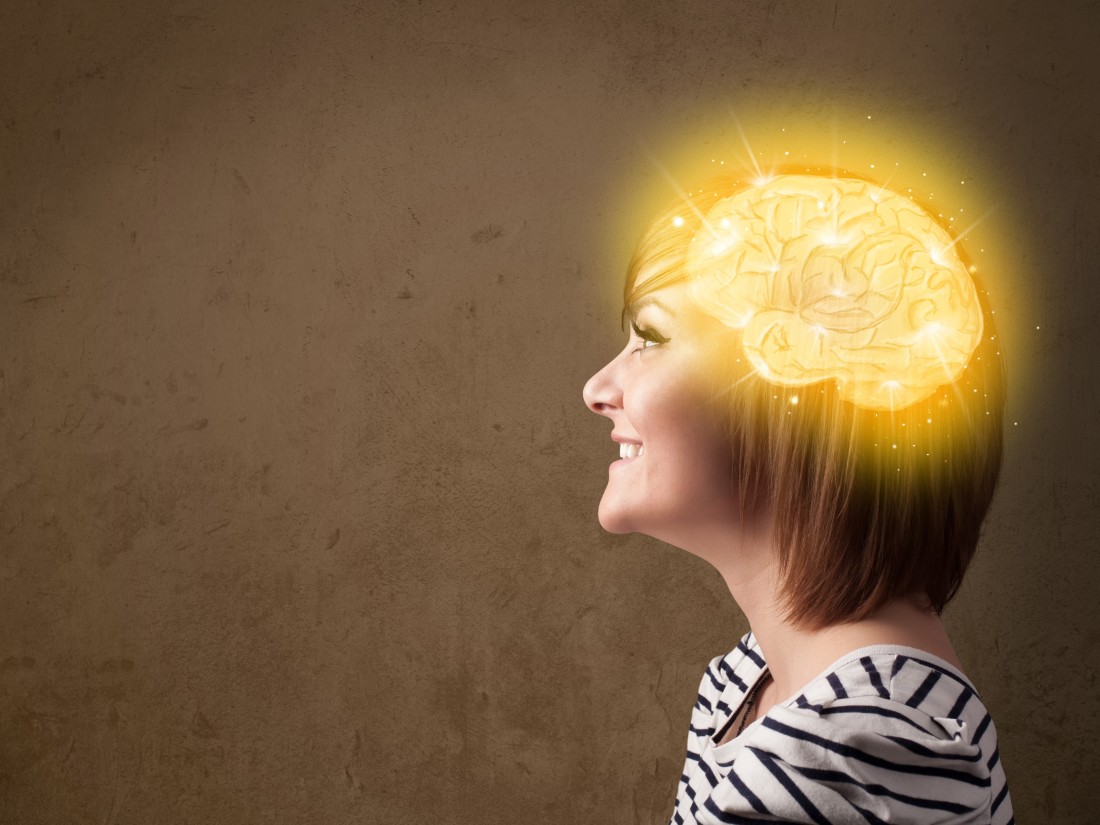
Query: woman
(811, 399)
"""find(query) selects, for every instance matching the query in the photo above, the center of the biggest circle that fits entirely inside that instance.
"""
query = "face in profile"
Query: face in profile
(673, 480)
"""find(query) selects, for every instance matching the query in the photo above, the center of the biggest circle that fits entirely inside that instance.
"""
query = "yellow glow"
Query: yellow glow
(914, 153)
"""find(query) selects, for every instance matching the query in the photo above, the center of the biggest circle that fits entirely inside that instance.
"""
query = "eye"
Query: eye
(650, 337)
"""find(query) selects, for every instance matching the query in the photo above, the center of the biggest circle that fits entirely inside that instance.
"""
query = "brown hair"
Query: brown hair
(869, 505)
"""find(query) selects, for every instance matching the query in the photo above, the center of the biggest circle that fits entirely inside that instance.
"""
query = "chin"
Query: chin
(613, 522)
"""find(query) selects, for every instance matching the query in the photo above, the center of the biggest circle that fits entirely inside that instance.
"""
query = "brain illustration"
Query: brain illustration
(838, 279)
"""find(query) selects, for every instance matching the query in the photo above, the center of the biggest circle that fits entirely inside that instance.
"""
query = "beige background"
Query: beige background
(297, 492)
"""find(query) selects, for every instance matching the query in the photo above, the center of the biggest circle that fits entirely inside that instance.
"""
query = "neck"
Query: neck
(796, 655)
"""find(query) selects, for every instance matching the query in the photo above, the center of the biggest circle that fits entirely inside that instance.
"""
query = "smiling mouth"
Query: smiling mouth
(631, 450)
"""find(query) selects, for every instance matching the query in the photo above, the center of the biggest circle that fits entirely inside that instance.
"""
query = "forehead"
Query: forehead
(675, 311)
(655, 300)
(670, 300)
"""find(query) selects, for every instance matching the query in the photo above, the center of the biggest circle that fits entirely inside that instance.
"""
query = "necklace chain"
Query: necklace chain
(751, 701)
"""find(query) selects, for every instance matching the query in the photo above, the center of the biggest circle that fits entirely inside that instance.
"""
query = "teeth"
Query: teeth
(631, 450)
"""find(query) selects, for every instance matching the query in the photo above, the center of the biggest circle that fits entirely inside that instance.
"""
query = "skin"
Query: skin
(681, 490)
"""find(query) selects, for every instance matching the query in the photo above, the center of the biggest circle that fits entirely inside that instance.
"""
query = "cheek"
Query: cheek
(693, 443)
(708, 462)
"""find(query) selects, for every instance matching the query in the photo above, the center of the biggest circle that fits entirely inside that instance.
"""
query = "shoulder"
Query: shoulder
(882, 737)
(731, 673)
(736, 667)
(724, 681)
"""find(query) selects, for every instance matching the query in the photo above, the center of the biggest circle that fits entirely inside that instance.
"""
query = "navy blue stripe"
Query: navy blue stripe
(822, 775)
(872, 710)
(722, 707)
(796, 794)
(803, 702)
(743, 789)
(920, 750)
(734, 819)
(999, 799)
(714, 681)
(751, 654)
(980, 730)
(994, 759)
(943, 672)
(731, 676)
(838, 688)
(870, 817)
(703, 702)
(722, 816)
(856, 753)
(899, 663)
(925, 687)
(709, 774)
(691, 794)
(957, 708)
(873, 675)
(700, 731)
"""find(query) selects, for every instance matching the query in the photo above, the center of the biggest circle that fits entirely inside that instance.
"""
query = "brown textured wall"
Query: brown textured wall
(297, 496)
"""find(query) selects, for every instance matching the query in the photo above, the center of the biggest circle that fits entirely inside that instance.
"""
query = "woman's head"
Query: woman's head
(673, 479)
(853, 369)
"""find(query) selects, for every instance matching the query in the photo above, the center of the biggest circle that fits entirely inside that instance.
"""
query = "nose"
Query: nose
(602, 393)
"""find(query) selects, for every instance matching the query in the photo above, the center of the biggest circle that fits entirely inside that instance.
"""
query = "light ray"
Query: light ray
(966, 231)
(760, 173)
(678, 189)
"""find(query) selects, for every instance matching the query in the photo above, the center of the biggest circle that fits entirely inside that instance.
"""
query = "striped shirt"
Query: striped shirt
(886, 734)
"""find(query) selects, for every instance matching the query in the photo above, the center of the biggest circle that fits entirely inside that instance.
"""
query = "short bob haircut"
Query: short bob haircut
(858, 521)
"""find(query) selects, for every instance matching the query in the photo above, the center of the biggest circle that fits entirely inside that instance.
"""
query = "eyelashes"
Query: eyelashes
(648, 335)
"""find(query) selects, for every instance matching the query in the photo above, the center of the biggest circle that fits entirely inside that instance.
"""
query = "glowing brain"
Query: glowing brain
(838, 279)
